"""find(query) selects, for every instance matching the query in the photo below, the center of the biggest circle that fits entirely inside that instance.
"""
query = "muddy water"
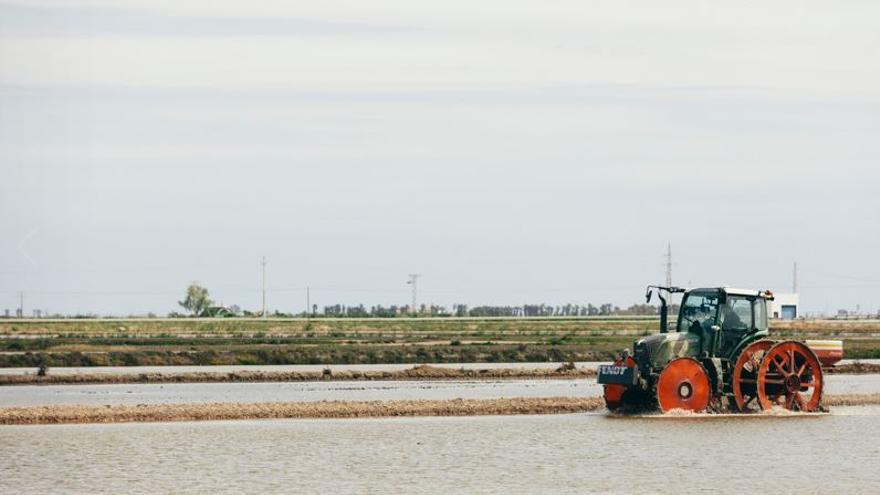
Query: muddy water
(31, 395)
(135, 370)
(581, 453)
(132, 394)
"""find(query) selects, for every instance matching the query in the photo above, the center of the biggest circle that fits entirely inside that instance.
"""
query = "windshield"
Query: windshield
(698, 312)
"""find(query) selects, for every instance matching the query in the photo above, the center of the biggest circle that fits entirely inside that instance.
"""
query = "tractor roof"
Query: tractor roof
(766, 294)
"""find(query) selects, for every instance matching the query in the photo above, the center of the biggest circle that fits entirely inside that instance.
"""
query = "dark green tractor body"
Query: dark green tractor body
(710, 358)
(712, 323)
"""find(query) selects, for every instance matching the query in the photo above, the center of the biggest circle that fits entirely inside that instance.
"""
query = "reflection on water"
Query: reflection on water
(582, 453)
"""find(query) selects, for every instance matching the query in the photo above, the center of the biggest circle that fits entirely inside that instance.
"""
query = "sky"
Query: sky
(509, 151)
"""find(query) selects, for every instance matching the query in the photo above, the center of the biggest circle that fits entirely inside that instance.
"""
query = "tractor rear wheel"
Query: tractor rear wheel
(745, 375)
(683, 384)
(790, 377)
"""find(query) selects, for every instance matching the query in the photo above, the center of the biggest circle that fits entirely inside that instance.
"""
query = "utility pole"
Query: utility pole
(669, 264)
(308, 303)
(21, 304)
(794, 279)
(263, 264)
(413, 280)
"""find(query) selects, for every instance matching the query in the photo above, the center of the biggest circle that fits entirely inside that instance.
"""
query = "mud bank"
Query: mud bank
(415, 373)
(851, 400)
(334, 409)
(856, 368)
(328, 409)
(420, 372)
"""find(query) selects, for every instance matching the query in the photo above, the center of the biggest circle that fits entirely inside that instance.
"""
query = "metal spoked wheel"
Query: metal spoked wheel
(745, 375)
(790, 377)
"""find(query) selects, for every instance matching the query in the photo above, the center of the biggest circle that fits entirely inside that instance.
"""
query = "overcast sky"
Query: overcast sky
(510, 151)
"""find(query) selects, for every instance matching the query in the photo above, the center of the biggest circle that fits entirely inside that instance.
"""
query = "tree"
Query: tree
(197, 300)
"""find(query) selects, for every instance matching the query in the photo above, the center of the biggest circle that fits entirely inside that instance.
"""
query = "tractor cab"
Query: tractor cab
(724, 319)
(713, 323)
(718, 357)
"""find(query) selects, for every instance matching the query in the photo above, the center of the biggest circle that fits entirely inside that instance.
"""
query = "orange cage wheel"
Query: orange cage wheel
(790, 377)
(683, 384)
(745, 375)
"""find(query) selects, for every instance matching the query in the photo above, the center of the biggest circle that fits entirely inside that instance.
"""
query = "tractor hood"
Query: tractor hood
(664, 347)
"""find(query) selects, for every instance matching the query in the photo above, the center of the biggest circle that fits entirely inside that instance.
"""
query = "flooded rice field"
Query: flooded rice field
(562, 453)
(136, 370)
(188, 393)
(577, 453)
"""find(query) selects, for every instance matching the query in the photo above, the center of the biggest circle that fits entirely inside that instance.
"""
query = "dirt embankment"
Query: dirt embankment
(334, 409)
(419, 372)
(851, 400)
(855, 368)
(565, 371)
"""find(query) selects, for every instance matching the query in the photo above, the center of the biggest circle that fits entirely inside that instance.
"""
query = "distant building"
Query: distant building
(785, 306)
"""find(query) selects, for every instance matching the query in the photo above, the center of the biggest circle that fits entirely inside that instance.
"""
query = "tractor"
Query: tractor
(718, 358)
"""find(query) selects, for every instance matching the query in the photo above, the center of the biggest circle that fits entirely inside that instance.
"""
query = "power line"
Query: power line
(840, 275)
(377, 290)
(94, 293)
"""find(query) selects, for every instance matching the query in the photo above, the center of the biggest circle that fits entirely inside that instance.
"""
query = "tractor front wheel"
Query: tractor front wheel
(683, 384)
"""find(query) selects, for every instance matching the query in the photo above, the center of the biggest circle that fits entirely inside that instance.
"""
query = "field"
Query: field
(156, 342)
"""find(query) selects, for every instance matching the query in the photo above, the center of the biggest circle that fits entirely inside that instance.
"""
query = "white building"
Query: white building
(785, 306)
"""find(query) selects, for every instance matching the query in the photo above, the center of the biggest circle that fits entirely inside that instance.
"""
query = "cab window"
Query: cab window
(736, 314)
(698, 312)
(760, 310)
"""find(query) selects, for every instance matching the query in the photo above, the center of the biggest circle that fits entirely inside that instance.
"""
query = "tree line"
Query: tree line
(199, 303)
